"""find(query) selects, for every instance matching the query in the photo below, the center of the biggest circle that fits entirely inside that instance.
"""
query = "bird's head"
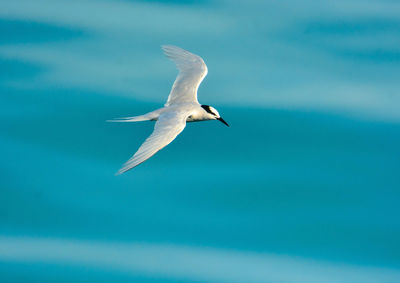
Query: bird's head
(213, 114)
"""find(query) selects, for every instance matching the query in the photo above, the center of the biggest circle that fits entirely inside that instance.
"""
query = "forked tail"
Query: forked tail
(151, 116)
(131, 119)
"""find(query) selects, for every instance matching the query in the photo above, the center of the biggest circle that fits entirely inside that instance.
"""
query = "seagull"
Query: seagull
(181, 107)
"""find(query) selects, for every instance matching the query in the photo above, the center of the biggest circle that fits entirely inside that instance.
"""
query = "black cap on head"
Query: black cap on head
(207, 108)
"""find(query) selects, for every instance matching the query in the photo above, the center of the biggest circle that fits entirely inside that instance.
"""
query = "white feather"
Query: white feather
(181, 106)
(192, 71)
(168, 126)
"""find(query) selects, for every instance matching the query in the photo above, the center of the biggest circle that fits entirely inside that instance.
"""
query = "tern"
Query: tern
(181, 107)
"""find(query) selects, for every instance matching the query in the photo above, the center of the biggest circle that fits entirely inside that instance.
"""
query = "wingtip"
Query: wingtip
(164, 47)
(167, 49)
(167, 46)
(124, 168)
(120, 171)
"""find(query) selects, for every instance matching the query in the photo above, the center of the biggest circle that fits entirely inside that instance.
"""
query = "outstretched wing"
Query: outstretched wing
(192, 71)
(168, 126)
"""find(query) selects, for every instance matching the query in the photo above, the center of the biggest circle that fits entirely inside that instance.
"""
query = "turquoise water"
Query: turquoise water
(303, 187)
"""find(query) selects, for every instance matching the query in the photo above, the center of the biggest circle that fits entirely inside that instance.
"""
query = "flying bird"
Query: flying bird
(181, 107)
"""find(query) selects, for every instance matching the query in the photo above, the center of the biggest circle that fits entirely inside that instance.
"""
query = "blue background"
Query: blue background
(303, 187)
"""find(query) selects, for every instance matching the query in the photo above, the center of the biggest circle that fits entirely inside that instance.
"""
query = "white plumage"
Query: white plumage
(192, 71)
(181, 107)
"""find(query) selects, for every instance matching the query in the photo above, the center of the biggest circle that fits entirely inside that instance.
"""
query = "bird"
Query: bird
(182, 106)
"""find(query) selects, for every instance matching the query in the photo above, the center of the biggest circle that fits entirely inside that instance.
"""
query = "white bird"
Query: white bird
(181, 107)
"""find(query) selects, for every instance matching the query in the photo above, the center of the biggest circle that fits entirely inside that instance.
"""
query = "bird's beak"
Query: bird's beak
(223, 121)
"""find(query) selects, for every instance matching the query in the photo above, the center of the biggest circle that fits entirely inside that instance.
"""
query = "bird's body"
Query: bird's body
(181, 107)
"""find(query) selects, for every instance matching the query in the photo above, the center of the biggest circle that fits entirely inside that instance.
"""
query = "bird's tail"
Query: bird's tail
(131, 119)
(151, 116)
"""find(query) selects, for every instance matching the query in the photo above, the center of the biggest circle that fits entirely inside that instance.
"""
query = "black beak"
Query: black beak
(223, 121)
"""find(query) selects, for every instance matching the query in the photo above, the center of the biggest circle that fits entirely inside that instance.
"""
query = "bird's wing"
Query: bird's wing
(192, 71)
(167, 127)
